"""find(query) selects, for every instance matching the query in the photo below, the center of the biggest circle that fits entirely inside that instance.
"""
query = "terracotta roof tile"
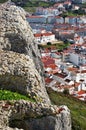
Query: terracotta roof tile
(81, 92)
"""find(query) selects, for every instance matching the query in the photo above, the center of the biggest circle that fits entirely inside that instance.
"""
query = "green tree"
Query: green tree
(66, 91)
(48, 43)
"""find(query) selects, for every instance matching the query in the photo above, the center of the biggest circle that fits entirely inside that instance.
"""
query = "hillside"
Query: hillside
(77, 108)
(2, 1)
(30, 5)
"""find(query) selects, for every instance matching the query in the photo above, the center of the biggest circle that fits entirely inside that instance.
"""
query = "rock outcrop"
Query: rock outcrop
(41, 116)
(18, 73)
(21, 70)
(5, 113)
(16, 36)
(31, 116)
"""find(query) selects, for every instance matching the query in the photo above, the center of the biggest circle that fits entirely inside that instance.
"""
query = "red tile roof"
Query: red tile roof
(73, 69)
(83, 71)
(33, 16)
(62, 75)
(43, 34)
(47, 61)
(81, 92)
(48, 80)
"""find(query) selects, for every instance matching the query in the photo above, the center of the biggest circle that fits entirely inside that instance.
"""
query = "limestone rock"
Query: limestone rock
(18, 73)
(5, 113)
(16, 36)
(21, 70)
(40, 116)
(24, 109)
(46, 123)
(31, 116)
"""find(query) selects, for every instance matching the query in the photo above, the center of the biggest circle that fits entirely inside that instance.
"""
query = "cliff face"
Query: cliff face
(41, 116)
(21, 70)
(18, 73)
(16, 36)
(33, 116)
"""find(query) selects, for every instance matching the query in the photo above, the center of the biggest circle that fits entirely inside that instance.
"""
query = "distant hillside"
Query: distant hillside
(2, 1)
(33, 2)
(77, 108)
(30, 5)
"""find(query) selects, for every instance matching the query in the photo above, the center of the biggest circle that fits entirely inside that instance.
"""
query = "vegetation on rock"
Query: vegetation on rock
(8, 95)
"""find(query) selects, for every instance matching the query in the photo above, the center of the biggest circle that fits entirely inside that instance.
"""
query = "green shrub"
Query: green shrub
(48, 43)
(8, 95)
(66, 91)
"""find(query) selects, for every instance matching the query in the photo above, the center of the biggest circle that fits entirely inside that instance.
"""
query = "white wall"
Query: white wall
(74, 58)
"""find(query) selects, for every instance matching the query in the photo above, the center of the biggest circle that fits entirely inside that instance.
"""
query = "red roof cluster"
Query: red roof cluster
(48, 61)
(43, 34)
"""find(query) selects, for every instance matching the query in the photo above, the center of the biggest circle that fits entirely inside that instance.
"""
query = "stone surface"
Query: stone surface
(15, 32)
(24, 109)
(33, 116)
(21, 70)
(38, 116)
(46, 123)
(5, 113)
(16, 36)
(18, 73)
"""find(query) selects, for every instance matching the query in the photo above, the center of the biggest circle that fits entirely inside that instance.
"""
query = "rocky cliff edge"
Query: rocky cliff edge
(21, 70)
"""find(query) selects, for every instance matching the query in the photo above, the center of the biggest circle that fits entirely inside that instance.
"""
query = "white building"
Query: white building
(78, 39)
(77, 59)
(79, 1)
(59, 19)
(36, 19)
(47, 11)
(51, 19)
(43, 38)
(71, 19)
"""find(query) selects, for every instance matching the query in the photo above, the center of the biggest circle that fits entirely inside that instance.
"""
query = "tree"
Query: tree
(66, 91)
(48, 43)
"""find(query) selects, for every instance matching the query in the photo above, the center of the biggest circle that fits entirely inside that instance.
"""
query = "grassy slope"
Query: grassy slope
(77, 108)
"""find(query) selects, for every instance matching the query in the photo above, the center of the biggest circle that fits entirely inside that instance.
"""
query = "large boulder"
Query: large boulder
(18, 73)
(16, 36)
(27, 115)
(38, 116)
